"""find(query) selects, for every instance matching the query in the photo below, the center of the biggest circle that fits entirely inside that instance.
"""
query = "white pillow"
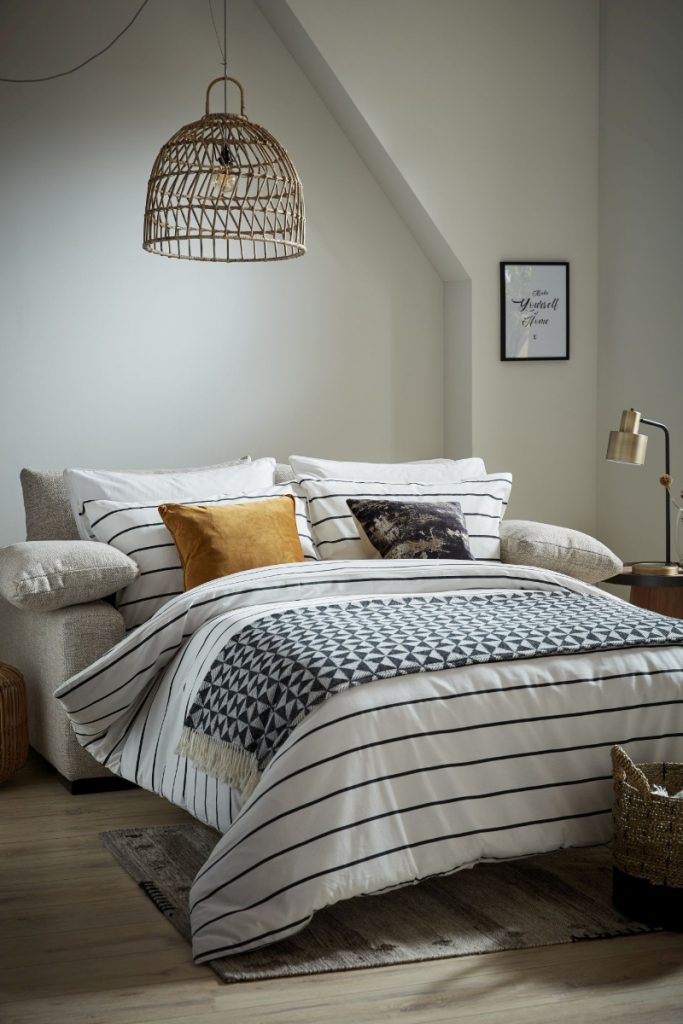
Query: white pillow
(557, 547)
(427, 471)
(483, 502)
(138, 531)
(86, 485)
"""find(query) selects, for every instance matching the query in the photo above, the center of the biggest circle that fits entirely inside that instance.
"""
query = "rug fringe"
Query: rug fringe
(221, 760)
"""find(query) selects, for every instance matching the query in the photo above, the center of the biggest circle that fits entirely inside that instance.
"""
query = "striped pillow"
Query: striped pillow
(138, 531)
(483, 502)
(147, 486)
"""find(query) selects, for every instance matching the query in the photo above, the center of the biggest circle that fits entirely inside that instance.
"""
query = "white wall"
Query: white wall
(110, 356)
(489, 110)
(641, 259)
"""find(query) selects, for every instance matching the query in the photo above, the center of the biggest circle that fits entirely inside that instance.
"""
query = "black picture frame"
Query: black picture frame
(540, 324)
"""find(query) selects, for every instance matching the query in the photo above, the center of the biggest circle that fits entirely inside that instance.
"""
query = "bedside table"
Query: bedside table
(663, 594)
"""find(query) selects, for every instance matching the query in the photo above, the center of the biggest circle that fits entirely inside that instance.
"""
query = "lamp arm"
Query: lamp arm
(667, 470)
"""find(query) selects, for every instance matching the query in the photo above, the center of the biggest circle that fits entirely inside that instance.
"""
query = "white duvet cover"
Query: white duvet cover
(391, 781)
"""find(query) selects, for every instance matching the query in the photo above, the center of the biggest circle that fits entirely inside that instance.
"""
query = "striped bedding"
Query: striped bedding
(139, 532)
(388, 782)
(482, 502)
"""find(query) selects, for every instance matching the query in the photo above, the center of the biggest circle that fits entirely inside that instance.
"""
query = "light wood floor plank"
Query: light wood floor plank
(80, 943)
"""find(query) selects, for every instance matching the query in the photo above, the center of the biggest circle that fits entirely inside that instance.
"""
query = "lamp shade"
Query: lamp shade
(626, 444)
(223, 189)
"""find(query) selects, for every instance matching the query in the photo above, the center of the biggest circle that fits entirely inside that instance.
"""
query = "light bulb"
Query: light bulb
(223, 182)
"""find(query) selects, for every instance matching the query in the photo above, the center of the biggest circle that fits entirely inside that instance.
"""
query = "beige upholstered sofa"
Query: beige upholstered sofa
(50, 646)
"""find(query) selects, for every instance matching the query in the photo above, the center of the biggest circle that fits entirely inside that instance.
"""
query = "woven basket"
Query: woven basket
(13, 722)
(648, 841)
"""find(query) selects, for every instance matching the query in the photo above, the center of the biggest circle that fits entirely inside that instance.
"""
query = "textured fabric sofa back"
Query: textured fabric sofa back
(47, 509)
(46, 506)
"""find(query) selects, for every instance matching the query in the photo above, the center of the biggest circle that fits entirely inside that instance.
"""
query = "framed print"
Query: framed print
(534, 310)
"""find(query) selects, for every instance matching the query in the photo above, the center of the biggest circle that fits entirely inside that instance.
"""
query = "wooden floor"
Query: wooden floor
(79, 942)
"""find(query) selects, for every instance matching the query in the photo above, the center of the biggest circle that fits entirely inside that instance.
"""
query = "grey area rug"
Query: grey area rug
(538, 901)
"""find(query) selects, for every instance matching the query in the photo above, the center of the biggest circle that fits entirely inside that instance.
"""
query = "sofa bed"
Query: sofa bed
(359, 674)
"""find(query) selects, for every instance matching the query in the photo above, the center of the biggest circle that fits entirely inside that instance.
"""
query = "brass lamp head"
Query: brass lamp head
(626, 444)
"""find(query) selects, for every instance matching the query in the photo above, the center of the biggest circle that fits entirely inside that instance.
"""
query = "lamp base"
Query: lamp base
(656, 568)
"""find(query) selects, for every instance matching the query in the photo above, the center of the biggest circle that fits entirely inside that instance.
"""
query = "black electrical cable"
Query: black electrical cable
(61, 74)
(222, 48)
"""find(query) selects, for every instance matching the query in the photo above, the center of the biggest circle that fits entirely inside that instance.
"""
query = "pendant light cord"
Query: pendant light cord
(222, 48)
(70, 71)
(225, 56)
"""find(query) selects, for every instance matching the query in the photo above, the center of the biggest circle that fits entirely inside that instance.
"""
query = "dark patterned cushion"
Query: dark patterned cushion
(411, 529)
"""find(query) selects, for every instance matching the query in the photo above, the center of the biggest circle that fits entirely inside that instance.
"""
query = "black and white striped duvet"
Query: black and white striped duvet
(388, 782)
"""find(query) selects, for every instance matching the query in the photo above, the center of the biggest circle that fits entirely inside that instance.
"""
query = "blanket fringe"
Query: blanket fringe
(221, 760)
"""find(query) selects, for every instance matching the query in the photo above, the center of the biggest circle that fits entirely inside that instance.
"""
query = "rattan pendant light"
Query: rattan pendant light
(223, 189)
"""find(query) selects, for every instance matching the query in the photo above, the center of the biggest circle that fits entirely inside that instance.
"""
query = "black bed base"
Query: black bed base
(97, 784)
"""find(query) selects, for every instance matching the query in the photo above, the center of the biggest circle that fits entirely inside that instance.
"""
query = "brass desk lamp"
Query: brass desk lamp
(628, 446)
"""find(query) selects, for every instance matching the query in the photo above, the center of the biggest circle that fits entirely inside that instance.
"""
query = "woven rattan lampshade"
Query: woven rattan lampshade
(223, 189)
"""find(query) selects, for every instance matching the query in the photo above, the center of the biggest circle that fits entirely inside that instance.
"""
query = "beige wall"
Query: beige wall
(112, 357)
(489, 110)
(641, 259)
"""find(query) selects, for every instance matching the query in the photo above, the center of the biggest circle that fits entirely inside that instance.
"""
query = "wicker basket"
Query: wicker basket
(13, 722)
(648, 842)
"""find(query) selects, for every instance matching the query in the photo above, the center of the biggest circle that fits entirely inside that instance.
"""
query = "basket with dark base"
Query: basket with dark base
(648, 841)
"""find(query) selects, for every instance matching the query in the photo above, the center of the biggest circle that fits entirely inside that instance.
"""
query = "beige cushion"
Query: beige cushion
(50, 574)
(555, 547)
(46, 506)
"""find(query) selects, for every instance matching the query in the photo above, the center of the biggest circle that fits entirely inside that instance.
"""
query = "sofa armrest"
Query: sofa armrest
(48, 648)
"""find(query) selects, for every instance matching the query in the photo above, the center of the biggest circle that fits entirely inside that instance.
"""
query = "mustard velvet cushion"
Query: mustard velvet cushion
(217, 540)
